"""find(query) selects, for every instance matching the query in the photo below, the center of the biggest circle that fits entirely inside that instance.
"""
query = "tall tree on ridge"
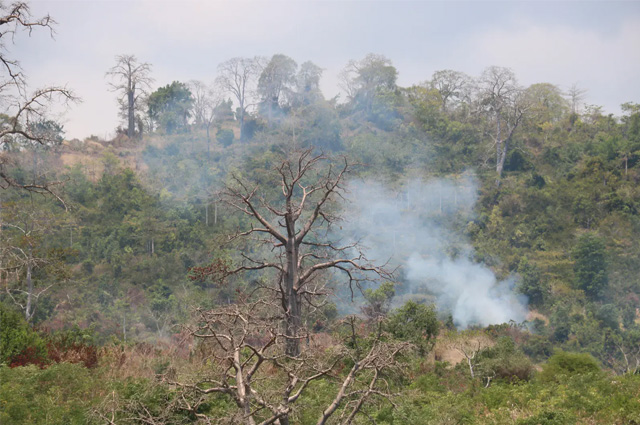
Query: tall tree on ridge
(237, 76)
(130, 78)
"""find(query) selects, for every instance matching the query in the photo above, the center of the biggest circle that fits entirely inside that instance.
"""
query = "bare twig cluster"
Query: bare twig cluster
(24, 108)
(247, 354)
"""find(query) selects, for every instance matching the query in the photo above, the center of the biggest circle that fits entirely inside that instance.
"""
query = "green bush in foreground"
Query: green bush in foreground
(60, 394)
(17, 339)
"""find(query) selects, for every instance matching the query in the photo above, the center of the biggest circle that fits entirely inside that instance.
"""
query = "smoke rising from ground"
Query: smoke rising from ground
(420, 228)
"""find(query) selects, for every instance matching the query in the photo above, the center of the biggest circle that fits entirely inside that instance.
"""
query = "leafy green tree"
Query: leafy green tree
(416, 323)
(316, 124)
(563, 364)
(630, 149)
(378, 300)
(546, 105)
(531, 283)
(591, 265)
(307, 84)
(367, 79)
(609, 316)
(225, 137)
(276, 84)
(16, 337)
(223, 111)
(561, 324)
(504, 361)
(170, 107)
(48, 130)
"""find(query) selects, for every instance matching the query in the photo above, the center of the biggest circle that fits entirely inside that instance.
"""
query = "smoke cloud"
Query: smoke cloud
(420, 229)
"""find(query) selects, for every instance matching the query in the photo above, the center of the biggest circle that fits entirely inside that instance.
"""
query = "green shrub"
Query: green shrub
(60, 394)
(74, 345)
(416, 323)
(505, 362)
(531, 282)
(591, 265)
(225, 137)
(563, 364)
(19, 344)
(538, 347)
(548, 417)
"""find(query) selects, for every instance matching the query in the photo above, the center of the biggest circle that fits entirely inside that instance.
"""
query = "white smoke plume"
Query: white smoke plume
(420, 229)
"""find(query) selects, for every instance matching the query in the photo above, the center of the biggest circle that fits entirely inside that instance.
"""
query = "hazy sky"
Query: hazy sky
(593, 44)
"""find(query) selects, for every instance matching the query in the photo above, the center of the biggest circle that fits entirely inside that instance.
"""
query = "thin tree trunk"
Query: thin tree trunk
(292, 317)
(35, 164)
(341, 394)
(28, 310)
(243, 395)
(626, 163)
(208, 143)
(498, 141)
(502, 156)
(130, 113)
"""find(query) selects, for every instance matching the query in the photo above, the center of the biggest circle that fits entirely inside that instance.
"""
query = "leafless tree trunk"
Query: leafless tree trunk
(132, 80)
(469, 344)
(237, 76)
(380, 358)
(28, 311)
(307, 192)
(25, 107)
(507, 102)
(18, 255)
(576, 96)
(243, 343)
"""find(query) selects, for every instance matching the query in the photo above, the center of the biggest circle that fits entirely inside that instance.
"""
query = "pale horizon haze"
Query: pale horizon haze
(595, 45)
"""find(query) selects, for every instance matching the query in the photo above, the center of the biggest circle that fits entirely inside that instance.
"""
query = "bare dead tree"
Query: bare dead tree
(293, 231)
(624, 353)
(631, 358)
(205, 107)
(205, 100)
(116, 410)
(576, 96)
(237, 76)
(247, 353)
(243, 340)
(367, 378)
(469, 344)
(453, 86)
(503, 98)
(21, 255)
(23, 107)
(131, 79)
(13, 18)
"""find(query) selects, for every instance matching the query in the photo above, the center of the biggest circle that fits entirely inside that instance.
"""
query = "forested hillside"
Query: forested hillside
(460, 251)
